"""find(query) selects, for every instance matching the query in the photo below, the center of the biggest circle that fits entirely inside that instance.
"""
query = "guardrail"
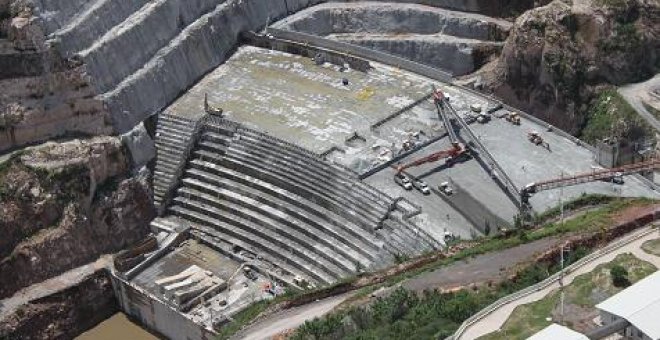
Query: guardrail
(362, 52)
(547, 282)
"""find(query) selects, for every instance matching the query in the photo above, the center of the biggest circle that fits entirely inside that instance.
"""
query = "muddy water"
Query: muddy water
(116, 327)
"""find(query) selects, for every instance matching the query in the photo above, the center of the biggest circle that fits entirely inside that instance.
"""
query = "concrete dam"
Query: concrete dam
(280, 128)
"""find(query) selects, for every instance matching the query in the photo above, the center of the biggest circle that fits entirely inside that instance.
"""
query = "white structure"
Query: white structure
(638, 304)
(556, 332)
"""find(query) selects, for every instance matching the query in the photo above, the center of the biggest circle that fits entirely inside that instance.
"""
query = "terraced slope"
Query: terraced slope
(141, 54)
(260, 199)
(456, 41)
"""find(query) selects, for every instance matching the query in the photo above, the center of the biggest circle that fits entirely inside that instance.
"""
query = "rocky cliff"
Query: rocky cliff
(42, 95)
(559, 57)
(63, 205)
(65, 314)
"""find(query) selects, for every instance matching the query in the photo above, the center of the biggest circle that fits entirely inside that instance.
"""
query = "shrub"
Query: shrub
(619, 276)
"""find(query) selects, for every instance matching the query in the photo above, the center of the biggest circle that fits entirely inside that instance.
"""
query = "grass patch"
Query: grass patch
(652, 247)
(585, 291)
(242, 318)
(406, 315)
(612, 117)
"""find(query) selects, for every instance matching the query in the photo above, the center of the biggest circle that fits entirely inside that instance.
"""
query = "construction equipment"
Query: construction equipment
(535, 137)
(614, 175)
(513, 117)
(451, 154)
(212, 110)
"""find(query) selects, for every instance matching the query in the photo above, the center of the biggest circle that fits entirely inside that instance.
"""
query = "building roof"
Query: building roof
(639, 304)
(555, 331)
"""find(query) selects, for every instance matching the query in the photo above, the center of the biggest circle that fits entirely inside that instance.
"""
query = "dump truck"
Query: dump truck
(513, 117)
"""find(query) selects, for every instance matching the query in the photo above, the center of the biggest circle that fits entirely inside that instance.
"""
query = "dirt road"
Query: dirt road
(290, 319)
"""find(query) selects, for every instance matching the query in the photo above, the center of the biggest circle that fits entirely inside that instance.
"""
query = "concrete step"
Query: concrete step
(342, 207)
(357, 245)
(198, 212)
(323, 167)
(234, 180)
(312, 172)
(313, 231)
(327, 257)
(171, 144)
(341, 198)
(259, 251)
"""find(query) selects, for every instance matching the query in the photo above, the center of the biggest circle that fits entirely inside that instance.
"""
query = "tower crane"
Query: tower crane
(606, 174)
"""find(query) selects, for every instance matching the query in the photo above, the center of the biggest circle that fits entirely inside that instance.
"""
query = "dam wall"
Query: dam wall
(155, 314)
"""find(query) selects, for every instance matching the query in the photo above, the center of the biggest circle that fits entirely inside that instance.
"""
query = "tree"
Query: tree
(619, 276)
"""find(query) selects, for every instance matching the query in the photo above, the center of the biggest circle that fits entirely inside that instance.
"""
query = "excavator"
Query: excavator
(457, 149)
(212, 110)
(614, 175)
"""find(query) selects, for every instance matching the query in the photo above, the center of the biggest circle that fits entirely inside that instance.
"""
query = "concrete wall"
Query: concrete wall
(155, 314)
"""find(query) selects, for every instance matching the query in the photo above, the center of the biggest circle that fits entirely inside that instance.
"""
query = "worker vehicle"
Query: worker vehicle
(445, 188)
(421, 186)
(483, 118)
(513, 118)
(469, 119)
(403, 181)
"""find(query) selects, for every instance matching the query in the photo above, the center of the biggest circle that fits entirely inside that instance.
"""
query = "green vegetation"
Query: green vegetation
(580, 202)
(406, 315)
(625, 38)
(611, 116)
(619, 276)
(585, 291)
(241, 319)
(652, 247)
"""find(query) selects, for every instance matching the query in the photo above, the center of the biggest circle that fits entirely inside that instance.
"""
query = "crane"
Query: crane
(606, 174)
(457, 149)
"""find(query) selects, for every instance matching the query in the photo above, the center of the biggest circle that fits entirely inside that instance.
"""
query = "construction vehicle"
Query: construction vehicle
(445, 188)
(457, 149)
(513, 117)
(535, 137)
(212, 110)
(403, 181)
(449, 154)
(421, 186)
(483, 118)
(476, 108)
(614, 175)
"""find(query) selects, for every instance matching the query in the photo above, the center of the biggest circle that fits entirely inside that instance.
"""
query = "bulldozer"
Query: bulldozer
(513, 117)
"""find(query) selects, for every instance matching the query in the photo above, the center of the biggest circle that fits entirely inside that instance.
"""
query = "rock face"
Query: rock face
(65, 314)
(559, 56)
(63, 205)
(455, 41)
(42, 95)
(142, 54)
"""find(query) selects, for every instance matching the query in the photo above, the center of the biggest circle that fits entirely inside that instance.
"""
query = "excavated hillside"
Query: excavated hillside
(63, 205)
(560, 57)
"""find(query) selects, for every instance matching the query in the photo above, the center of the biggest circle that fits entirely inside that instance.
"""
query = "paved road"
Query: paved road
(291, 318)
(496, 320)
(637, 94)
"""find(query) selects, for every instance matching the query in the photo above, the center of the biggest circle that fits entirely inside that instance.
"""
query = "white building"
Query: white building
(638, 304)
(556, 332)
